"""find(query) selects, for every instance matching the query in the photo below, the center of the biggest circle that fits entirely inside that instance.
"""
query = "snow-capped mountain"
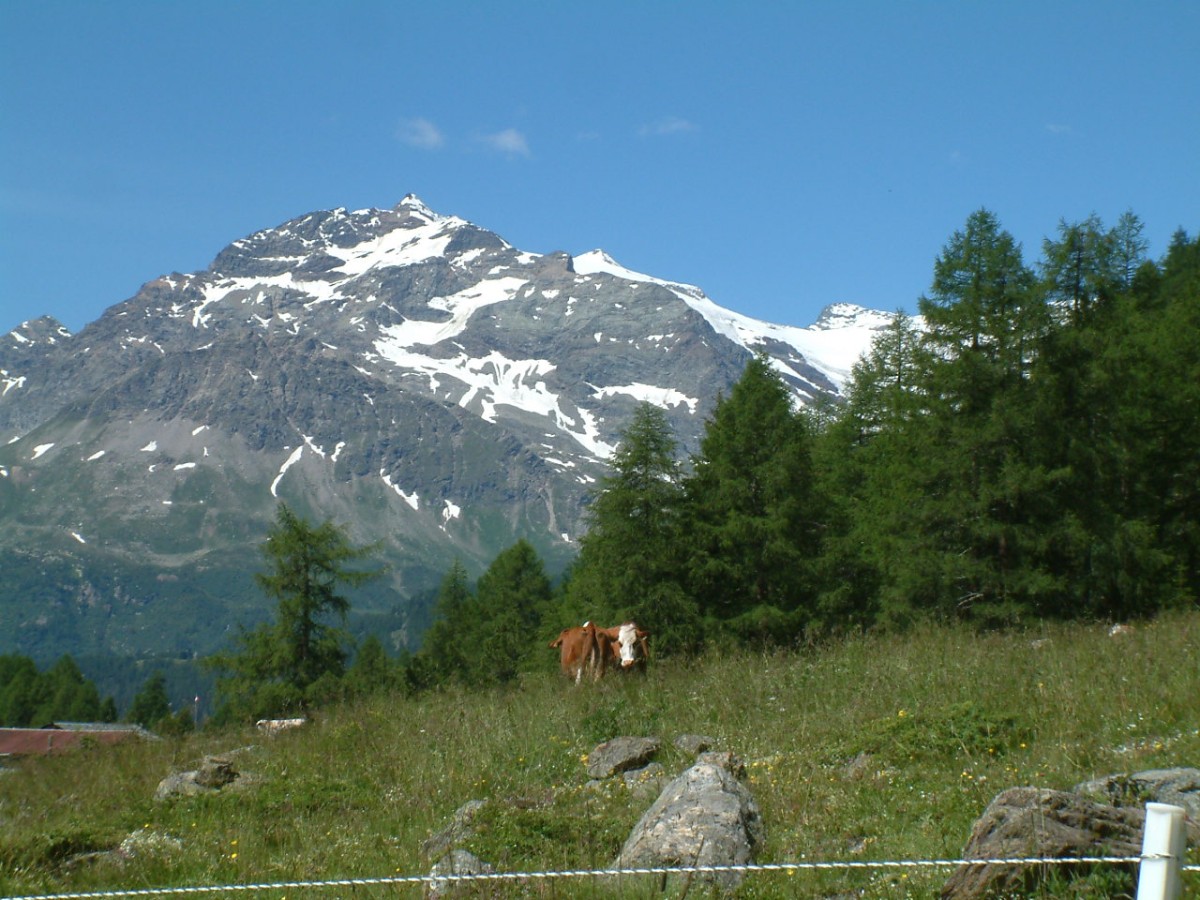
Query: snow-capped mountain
(406, 373)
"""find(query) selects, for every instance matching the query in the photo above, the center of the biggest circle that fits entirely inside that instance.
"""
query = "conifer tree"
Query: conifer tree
(630, 560)
(1129, 249)
(511, 599)
(150, 705)
(372, 671)
(985, 321)
(751, 525)
(444, 650)
(1079, 270)
(21, 690)
(278, 663)
(871, 473)
(69, 695)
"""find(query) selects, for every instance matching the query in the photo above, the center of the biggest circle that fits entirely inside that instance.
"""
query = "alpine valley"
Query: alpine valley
(408, 375)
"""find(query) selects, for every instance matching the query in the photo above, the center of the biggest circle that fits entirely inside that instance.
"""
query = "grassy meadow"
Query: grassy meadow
(869, 748)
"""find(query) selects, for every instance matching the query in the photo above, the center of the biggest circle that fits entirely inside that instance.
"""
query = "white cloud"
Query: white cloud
(420, 133)
(509, 142)
(669, 125)
(1057, 128)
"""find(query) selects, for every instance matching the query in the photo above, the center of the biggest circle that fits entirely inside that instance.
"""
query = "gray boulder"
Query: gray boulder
(461, 828)
(148, 843)
(213, 774)
(1033, 822)
(646, 782)
(1179, 787)
(457, 862)
(703, 817)
(620, 755)
(694, 744)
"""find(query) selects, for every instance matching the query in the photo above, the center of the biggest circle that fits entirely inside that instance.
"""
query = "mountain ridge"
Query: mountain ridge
(410, 374)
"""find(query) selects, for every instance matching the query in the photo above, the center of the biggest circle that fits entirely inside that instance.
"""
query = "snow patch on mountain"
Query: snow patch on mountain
(831, 346)
(413, 499)
(10, 381)
(461, 306)
(399, 247)
(288, 463)
(649, 393)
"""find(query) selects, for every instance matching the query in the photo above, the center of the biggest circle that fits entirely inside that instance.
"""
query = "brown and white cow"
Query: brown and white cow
(579, 652)
(623, 646)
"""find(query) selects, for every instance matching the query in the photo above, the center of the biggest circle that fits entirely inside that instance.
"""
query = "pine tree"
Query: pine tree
(1080, 269)
(279, 663)
(630, 560)
(511, 600)
(1129, 249)
(372, 672)
(751, 527)
(68, 695)
(1151, 369)
(871, 471)
(443, 654)
(21, 690)
(985, 321)
(150, 705)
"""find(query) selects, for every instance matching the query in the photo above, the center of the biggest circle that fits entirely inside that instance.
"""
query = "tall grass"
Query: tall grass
(876, 748)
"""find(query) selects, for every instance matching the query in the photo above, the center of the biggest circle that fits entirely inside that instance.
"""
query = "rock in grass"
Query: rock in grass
(1027, 822)
(214, 773)
(1179, 787)
(620, 755)
(704, 817)
(456, 862)
(695, 744)
(461, 828)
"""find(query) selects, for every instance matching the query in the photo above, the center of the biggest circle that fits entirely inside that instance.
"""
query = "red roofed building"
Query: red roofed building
(64, 736)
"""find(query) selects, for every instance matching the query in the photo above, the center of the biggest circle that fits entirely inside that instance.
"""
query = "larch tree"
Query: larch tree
(512, 599)
(751, 530)
(279, 664)
(985, 322)
(630, 560)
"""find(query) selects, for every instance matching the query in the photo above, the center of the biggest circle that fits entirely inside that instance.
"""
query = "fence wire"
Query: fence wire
(522, 877)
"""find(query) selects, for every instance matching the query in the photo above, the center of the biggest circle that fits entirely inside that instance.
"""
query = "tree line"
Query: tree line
(1028, 449)
(34, 698)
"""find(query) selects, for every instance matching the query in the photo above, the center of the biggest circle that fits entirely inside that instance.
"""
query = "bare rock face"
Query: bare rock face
(704, 817)
(1033, 822)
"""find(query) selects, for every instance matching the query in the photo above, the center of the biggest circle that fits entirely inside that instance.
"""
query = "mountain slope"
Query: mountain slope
(408, 374)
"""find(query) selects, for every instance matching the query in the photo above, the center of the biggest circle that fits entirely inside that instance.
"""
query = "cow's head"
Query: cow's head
(631, 644)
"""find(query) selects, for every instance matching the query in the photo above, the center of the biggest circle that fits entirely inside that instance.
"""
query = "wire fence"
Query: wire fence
(448, 879)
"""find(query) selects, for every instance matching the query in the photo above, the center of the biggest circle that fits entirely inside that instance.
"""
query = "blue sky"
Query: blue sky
(781, 155)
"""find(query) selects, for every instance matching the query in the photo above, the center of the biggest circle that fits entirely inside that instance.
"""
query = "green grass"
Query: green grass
(874, 748)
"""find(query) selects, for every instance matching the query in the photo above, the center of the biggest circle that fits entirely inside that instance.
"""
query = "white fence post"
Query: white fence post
(1162, 853)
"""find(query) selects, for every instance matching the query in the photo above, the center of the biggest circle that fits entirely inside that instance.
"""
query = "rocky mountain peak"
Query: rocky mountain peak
(404, 372)
(413, 205)
(44, 331)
